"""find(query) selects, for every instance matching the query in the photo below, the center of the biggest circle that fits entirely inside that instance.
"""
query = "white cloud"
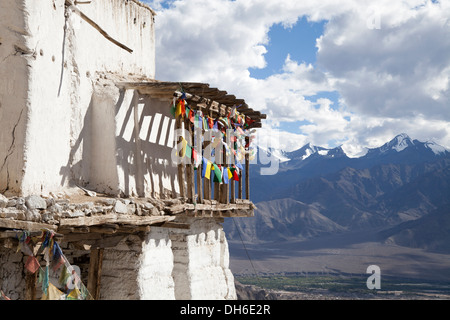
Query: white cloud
(388, 60)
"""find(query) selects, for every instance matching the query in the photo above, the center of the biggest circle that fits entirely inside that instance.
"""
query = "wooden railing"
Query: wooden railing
(196, 188)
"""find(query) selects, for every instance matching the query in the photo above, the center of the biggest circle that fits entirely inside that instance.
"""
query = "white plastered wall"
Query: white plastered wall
(201, 262)
(51, 66)
(186, 264)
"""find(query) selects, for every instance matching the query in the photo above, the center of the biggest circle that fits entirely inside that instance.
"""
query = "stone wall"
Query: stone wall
(12, 273)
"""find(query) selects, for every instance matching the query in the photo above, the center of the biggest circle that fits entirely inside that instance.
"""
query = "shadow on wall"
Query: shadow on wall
(124, 150)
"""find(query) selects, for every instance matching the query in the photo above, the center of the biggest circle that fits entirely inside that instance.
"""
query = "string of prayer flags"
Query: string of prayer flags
(54, 258)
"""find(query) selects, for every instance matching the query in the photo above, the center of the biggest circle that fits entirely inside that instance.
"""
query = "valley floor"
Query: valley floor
(345, 256)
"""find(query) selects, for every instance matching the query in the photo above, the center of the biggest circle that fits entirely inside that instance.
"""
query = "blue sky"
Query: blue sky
(350, 73)
(298, 41)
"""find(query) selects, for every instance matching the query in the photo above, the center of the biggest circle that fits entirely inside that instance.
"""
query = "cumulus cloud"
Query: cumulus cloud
(387, 60)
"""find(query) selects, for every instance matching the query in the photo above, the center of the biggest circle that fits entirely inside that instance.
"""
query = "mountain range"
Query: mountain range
(401, 188)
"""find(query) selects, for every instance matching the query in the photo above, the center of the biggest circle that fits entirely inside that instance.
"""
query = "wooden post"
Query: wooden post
(190, 166)
(30, 285)
(95, 272)
(217, 184)
(233, 191)
(198, 148)
(181, 169)
(207, 183)
(224, 188)
(247, 172)
(96, 26)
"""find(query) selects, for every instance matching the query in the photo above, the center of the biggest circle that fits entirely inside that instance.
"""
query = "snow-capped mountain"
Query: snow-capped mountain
(400, 148)
(403, 142)
(400, 182)
(273, 152)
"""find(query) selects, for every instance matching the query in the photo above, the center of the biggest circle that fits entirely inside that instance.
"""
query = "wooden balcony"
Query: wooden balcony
(209, 120)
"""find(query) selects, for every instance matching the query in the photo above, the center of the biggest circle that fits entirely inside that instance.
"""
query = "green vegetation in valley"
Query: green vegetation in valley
(342, 284)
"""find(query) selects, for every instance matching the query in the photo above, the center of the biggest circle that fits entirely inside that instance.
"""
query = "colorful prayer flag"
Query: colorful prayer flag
(32, 264)
(217, 173)
(188, 151)
(53, 293)
(225, 175)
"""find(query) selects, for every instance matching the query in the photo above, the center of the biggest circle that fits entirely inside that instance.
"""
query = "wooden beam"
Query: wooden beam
(175, 225)
(95, 272)
(96, 26)
(113, 218)
(25, 225)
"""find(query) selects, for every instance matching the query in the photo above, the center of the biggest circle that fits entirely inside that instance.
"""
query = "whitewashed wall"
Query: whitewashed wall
(52, 64)
(190, 264)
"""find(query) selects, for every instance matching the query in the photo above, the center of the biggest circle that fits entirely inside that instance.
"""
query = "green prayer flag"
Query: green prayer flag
(217, 173)
(188, 151)
(172, 110)
(64, 276)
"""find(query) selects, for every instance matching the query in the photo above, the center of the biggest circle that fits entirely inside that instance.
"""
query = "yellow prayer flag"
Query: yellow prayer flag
(183, 147)
(230, 175)
(74, 294)
(53, 293)
(208, 170)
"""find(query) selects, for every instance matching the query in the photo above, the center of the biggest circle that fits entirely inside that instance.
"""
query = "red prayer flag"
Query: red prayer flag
(183, 108)
(32, 264)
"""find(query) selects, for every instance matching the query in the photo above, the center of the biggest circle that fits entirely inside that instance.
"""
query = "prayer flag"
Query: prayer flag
(74, 294)
(64, 276)
(53, 293)
(235, 174)
(173, 109)
(206, 171)
(183, 147)
(217, 173)
(45, 280)
(225, 175)
(32, 264)
(188, 151)
(181, 108)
